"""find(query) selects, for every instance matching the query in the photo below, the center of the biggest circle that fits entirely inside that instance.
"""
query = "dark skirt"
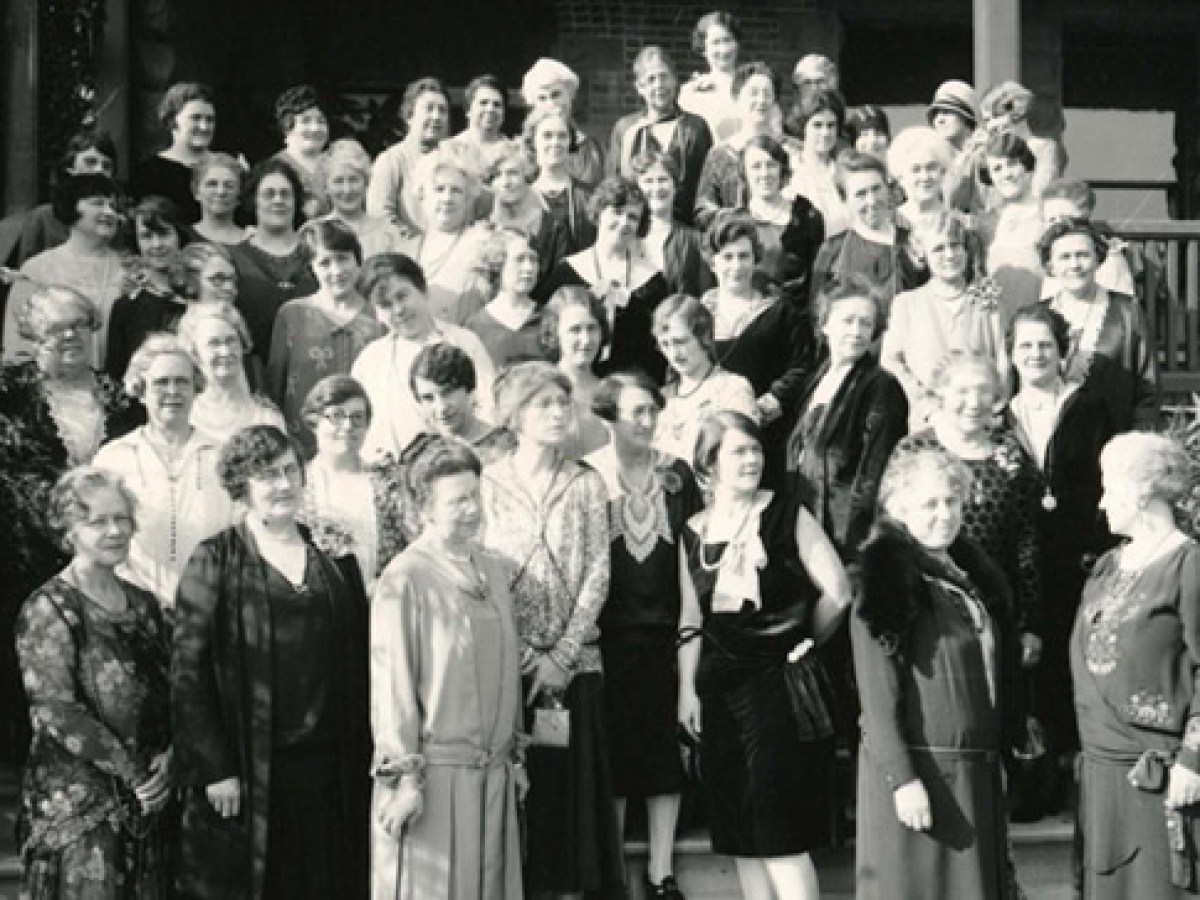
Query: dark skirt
(572, 827)
(305, 829)
(767, 792)
(1123, 836)
(641, 692)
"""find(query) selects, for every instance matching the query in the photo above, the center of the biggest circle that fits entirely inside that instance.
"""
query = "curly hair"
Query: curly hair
(1156, 464)
(729, 226)
(1005, 145)
(249, 453)
(918, 144)
(520, 383)
(569, 297)
(198, 313)
(262, 171)
(867, 117)
(188, 267)
(511, 149)
(960, 360)
(445, 365)
(447, 158)
(616, 192)
(69, 497)
(906, 466)
(953, 226)
(158, 344)
(644, 162)
(344, 152)
(33, 308)
(73, 188)
(217, 160)
(158, 215)
(1066, 228)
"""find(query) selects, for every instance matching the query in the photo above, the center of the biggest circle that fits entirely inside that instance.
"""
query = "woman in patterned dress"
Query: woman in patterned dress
(547, 515)
(1135, 655)
(94, 654)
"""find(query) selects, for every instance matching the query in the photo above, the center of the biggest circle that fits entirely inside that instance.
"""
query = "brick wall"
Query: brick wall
(600, 40)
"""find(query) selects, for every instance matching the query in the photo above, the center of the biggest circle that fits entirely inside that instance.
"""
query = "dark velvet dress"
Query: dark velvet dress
(767, 792)
(132, 318)
(892, 267)
(162, 177)
(1135, 654)
(269, 685)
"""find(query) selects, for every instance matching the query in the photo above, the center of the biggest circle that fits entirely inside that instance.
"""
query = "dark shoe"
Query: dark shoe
(667, 889)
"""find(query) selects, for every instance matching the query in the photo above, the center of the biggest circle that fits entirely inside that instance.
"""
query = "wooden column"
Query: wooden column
(112, 81)
(20, 117)
(997, 26)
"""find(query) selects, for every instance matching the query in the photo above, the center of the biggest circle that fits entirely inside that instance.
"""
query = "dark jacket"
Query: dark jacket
(799, 244)
(837, 467)
(689, 146)
(222, 691)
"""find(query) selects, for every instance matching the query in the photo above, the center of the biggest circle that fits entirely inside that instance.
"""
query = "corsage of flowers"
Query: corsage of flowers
(330, 535)
(985, 294)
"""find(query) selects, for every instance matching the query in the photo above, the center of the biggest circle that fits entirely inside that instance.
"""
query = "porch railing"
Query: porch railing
(1170, 289)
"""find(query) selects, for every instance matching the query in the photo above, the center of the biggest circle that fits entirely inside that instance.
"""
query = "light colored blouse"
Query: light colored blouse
(679, 423)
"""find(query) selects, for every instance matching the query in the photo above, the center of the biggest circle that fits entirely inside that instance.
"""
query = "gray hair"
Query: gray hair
(69, 496)
(906, 466)
(34, 306)
(155, 345)
(1156, 464)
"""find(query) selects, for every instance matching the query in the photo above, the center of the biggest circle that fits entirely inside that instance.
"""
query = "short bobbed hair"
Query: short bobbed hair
(436, 459)
(957, 361)
(773, 149)
(867, 117)
(249, 453)
(907, 466)
(180, 95)
(726, 20)
(644, 162)
(1157, 465)
(809, 105)
(70, 494)
(190, 264)
(1041, 314)
(617, 192)
(412, 93)
(697, 317)
(1005, 145)
(158, 215)
(606, 402)
(156, 344)
(382, 267)
(333, 390)
(74, 188)
(446, 158)
(711, 435)
(852, 286)
(294, 102)
(217, 161)
(746, 71)
(445, 365)
(1067, 228)
(37, 304)
(952, 225)
(728, 227)
(330, 236)
(199, 313)
(264, 169)
(537, 117)
(570, 296)
(853, 162)
(519, 384)
(513, 150)
(494, 252)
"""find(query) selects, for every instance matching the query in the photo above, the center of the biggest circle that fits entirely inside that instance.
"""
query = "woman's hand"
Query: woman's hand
(401, 806)
(521, 782)
(912, 806)
(155, 791)
(1183, 787)
(689, 712)
(547, 675)
(225, 797)
(1031, 650)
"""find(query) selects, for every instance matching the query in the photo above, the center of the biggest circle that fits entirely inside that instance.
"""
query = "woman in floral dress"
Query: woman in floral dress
(94, 653)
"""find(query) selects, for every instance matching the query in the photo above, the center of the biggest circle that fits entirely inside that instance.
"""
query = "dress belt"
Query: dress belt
(466, 756)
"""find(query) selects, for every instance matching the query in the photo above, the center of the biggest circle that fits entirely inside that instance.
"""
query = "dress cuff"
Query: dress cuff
(390, 771)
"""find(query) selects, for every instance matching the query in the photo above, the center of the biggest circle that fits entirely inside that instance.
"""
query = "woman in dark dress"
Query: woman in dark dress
(1135, 655)
(188, 115)
(152, 304)
(768, 342)
(94, 653)
(616, 271)
(650, 497)
(850, 416)
(931, 645)
(672, 247)
(272, 266)
(1062, 427)
(547, 136)
(516, 205)
(761, 585)
(269, 697)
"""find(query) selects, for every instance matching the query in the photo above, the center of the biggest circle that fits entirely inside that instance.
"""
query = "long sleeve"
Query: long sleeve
(1027, 584)
(1189, 615)
(591, 505)
(886, 423)
(383, 192)
(396, 663)
(49, 656)
(277, 362)
(203, 751)
(879, 691)
(801, 240)
(710, 192)
(802, 343)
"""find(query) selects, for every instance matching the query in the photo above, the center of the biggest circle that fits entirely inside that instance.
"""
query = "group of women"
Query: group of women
(771, 423)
